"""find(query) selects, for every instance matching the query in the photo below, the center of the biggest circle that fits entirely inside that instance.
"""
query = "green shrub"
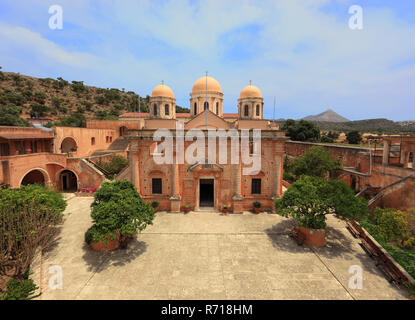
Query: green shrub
(154, 204)
(115, 165)
(393, 225)
(20, 290)
(117, 207)
(257, 204)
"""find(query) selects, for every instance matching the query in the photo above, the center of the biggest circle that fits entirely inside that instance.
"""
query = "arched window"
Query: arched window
(411, 157)
(246, 112)
(195, 107)
(257, 110)
(166, 110)
(155, 110)
(217, 107)
(206, 105)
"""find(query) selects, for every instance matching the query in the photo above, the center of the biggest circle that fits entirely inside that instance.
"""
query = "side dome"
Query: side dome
(250, 92)
(212, 85)
(162, 91)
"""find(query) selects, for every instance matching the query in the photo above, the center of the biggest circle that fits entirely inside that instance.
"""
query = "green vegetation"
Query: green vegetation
(180, 109)
(301, 130)
(354, 137)
(390, 228)
(310, 199)
(315, 162)
(118, 207)
(115, 165)
(29, 220)
(9, 116)
(74, 120)
(19, 290)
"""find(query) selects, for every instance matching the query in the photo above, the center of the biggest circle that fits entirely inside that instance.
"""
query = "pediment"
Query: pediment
(213, 121)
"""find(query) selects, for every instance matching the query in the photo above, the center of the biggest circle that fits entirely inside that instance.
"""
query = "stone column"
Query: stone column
(277, 178)
(237, 197)
(175, 197)
(386, 149)
(135, 170)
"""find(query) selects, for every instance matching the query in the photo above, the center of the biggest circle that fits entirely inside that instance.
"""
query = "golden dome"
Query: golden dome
(212, 85)
(162, 91)
(250, 92)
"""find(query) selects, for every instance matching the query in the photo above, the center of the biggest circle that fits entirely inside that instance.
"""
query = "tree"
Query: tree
(310, 199)
(301, 130)
(392, 225)
(180, 109)
(29, 217)
(118, 207)
(9, 116)
(315, 162)
(115, 165)
(354, 137)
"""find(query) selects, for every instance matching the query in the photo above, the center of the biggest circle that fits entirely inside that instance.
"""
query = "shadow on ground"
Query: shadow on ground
(99, 261)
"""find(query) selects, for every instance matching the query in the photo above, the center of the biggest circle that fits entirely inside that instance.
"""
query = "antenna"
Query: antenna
(274, 109)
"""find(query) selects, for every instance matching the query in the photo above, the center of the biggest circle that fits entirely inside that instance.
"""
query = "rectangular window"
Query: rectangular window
(156, 186)
(5, 149)
(256, 186)
(92, 141)
(166, 110)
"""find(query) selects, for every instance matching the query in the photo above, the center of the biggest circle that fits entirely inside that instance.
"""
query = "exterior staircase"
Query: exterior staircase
(119, 144)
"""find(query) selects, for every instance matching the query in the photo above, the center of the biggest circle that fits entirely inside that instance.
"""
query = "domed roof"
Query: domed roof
(162, 91)
(250, 92)
(212, 85)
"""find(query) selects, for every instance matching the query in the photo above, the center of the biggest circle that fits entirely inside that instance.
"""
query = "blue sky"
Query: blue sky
(301, 51)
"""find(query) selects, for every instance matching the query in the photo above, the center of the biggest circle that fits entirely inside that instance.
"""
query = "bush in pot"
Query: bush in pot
(225, 208)
(257, 206)
(186, 208)
(310, 199)
(118, 213)
(155, 205)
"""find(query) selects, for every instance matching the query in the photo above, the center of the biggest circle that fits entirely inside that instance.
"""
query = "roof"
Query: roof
(28, 135)
(230, 115)
(183, 115)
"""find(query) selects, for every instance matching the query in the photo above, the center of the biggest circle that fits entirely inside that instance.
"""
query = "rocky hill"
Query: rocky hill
(57, 99)
(327, 116)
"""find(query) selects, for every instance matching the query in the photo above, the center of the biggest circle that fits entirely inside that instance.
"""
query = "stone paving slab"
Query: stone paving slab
(209, 256)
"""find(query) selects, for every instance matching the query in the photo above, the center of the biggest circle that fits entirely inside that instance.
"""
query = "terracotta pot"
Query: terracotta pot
(187, 210)
(257, 210)
(110, 245)
(314, 237)
(225, 210)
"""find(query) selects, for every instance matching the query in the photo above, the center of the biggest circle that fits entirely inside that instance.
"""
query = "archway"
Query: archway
(68, 145)
(34, 177)
(411, 160)
(68, 181)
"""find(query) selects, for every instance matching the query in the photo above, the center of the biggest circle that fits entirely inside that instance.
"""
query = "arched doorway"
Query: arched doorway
(68, 181)
(34, 177)
(68, 145)
(411, 160)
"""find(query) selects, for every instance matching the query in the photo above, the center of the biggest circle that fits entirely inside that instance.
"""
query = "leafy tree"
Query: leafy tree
(39, 97)
(74, 120)
(180, 109)
(78, 86)
(115, 165)
(38, 110)
(392, 225)
(29, 217)
(354, 137)
(118, 207)
(9, 116)
(315, 162)
(310, 199)
(20, 290)
(301, 130)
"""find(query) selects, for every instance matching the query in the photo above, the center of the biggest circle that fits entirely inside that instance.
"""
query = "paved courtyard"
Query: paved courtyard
(209, 256)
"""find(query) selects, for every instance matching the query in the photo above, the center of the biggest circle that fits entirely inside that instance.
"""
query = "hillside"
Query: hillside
(370, 125)
(327, 116)
(59, 99)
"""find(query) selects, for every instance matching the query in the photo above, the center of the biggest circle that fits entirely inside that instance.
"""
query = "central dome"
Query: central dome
(212, 85)
(250, 92)
(162, 91)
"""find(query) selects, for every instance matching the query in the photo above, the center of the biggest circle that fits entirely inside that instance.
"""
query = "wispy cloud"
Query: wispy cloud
(300, 51)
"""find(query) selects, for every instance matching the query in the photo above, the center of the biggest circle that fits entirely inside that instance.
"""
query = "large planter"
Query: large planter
(314, 237)
(257, 210)
(107, 245)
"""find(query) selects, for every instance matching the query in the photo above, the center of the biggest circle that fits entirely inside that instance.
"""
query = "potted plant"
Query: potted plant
(225, 208)
(155, 205)
(310, 199)
(118, 213)
(186, 208)
(257, 206)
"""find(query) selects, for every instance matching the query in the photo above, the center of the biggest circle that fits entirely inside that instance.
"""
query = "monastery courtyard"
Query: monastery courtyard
(208, 255)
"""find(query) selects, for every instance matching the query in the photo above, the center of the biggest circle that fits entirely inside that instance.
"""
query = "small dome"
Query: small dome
(250, 92)
(212, 85)
(162, 91)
